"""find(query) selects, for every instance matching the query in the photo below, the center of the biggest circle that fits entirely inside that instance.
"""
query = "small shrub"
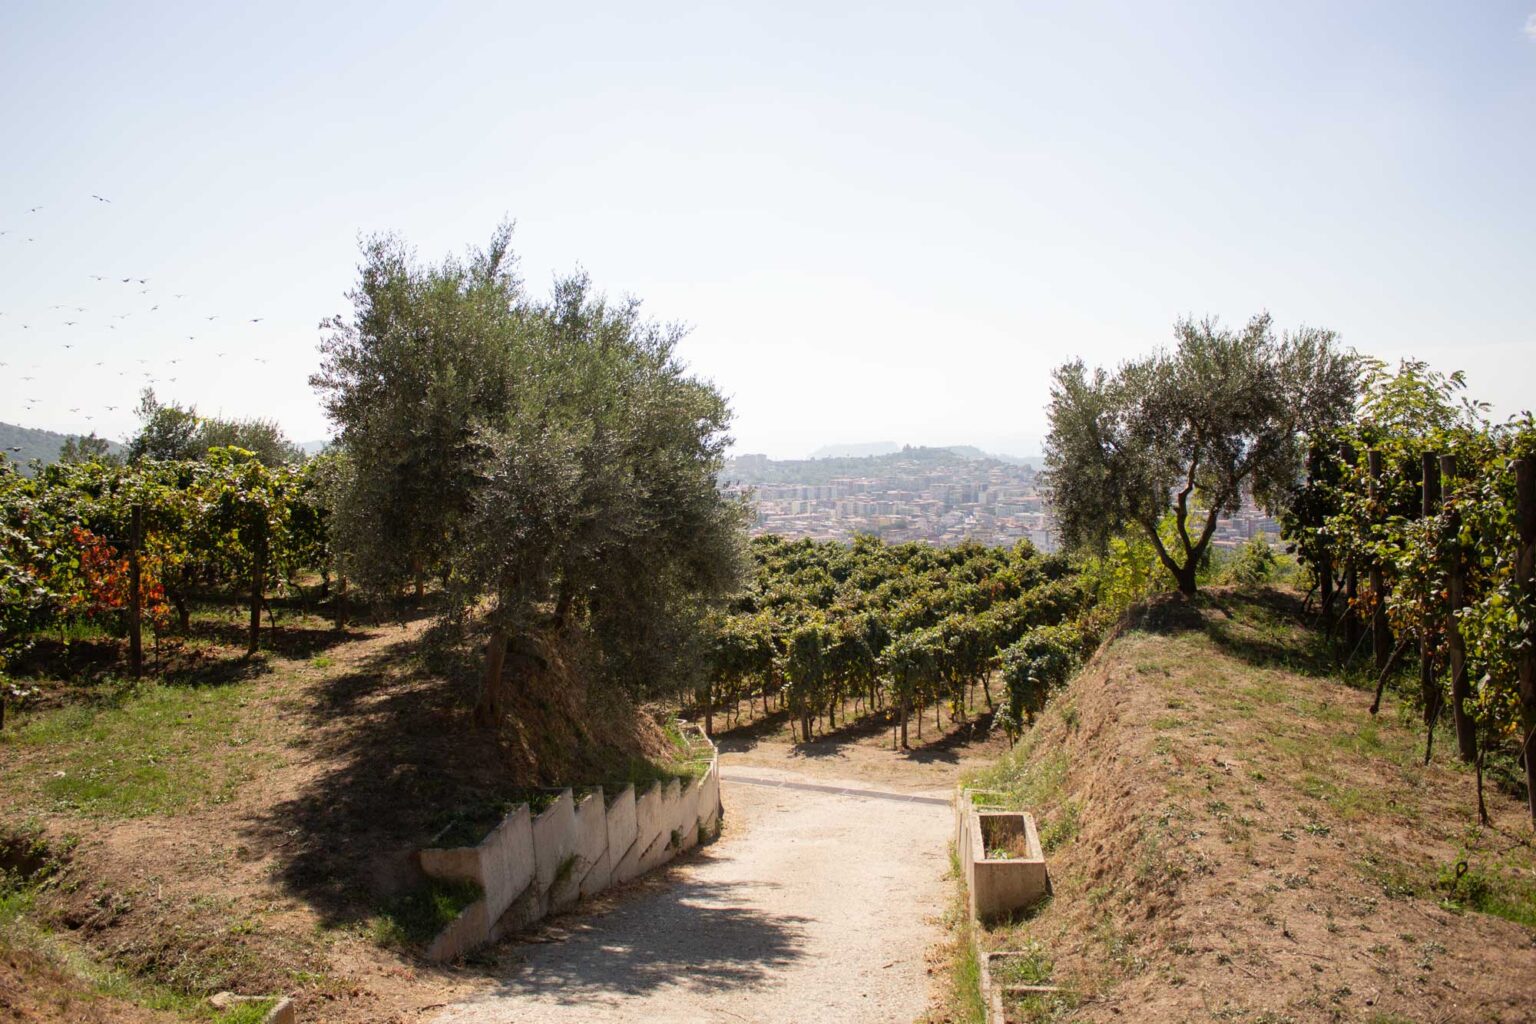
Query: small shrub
(1253, 563)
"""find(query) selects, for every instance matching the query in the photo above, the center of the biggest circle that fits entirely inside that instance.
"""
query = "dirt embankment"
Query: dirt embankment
(1236, 839)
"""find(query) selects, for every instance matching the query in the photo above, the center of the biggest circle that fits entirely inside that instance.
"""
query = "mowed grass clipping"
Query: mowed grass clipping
(155, 750)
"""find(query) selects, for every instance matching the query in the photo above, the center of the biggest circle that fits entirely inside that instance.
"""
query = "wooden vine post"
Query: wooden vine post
(258, 586)
(1381, 632)
(1456, 645)
(1429, 684)
(1324, 550)
(1351, 583)
(1525, 580)
(135, 592)
(341, 593)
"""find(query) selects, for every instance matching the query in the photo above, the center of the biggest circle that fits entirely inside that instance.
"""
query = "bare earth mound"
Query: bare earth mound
(1236, 839)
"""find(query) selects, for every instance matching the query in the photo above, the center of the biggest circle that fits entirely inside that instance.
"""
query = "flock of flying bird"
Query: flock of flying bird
(142, 302)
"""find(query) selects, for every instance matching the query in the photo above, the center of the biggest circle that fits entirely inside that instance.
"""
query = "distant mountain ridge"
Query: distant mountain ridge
(38, 444)
(874, 449)
(760, 469)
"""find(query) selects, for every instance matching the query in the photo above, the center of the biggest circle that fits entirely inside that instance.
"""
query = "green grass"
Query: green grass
(153, 750)
(1028, 966)
(1023, 785)
(246, 1013)
(415, 917)
(1041, 1007)
(965, 1001)
(1487, 889)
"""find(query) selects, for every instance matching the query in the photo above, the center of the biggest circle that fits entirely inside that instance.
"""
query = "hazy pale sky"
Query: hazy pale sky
(883, 221)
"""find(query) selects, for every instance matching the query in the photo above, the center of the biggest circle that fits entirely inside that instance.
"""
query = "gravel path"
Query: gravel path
(820, 903)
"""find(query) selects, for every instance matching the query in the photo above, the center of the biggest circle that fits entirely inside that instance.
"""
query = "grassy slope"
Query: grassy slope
(1233, 838)
(249, 825)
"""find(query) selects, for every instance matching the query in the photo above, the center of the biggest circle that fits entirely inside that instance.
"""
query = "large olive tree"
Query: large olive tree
(1182, 436)
(552, 460)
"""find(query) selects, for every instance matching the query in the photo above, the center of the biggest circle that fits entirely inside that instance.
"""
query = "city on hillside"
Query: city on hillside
(932, 495)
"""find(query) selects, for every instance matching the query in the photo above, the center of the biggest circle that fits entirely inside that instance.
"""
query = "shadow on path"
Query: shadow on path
(695, 934)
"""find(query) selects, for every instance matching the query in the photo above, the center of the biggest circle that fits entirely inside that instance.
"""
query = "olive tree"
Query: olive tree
(1180, 438)
(553, 460)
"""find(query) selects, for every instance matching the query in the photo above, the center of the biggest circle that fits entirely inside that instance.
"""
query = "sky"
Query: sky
(883, 222)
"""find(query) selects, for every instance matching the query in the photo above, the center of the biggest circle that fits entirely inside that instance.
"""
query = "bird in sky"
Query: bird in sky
(69, 323)
(256, 319)
(214, 317)
(99, 199)
(97, 277)
(34, 209)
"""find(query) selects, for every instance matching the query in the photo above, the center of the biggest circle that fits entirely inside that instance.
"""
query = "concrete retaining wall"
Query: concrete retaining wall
(530, 866)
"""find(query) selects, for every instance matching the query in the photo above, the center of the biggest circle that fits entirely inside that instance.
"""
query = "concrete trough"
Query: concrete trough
(1005, 867)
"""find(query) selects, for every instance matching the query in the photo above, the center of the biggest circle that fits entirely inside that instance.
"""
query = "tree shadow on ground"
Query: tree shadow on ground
(693, 934)
(285, 641)
(746, 735)
(858, 731)
(402, 756)
(1265, 627)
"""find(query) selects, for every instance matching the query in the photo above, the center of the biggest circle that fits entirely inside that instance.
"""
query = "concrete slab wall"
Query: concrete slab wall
(594, 872)
(507, 861)
(554, 841)
(621, 824)
(530, 866)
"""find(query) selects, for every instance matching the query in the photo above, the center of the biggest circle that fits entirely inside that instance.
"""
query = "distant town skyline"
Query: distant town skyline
(880, 223)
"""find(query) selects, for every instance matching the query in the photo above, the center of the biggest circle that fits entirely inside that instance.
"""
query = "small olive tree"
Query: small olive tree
(1184, 434)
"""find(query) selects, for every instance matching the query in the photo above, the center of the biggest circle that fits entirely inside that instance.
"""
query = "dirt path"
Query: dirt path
(820, 903)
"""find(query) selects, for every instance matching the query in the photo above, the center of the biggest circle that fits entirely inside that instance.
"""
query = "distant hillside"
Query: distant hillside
(970, 451)
(760, 469)
(23, 444)
(878, 448)
(855, 451)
